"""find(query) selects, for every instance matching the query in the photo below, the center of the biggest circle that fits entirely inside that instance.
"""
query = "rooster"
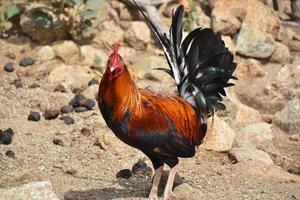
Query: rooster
(166, 127)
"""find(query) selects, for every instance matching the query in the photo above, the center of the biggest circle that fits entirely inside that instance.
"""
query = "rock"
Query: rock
(10, 154)
(88, 103)
(288, 118)
(124, 173)
(67, 51)
(31, 191)
(26, 61)
(45, 53)
(254, 43)
(219, 136)
(225, 23)
(81, 109)
(34, 116)
(69, 76)
(246, 154)
(93, 82)
(86, 131)
(252, 68)
(34, 85)
(203, 20)
(91, 56)
(246, 115)
(147, 70)
(141, 168)
(296, 60)
(67, 119)
(6, 137)
(252, 13)
(187, 192)
(75, 102)
(51, 114)
(60, 88)
(281, 54)
(17, 83)
(229, 44)
(8, 67)
(138, 35)
(91, 92)
(109, 33)
(255, 135)
(66, 109)
(58, 142)
(71, 171)
(128, 53)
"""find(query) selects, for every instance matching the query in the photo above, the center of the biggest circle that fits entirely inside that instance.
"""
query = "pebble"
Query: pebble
(81, 109)
(77, 90)
(75, 102)
(71, 171)
(86, 131)
(139, 167)
(8, 67)
(60, 88)
(89, 104)
(17, 83)
(34, 85)
(10, 154)
(51, 114)
(58, 142)
(6, 136)
(67, 119)
(66, 109)
(26, 61)
(124, 173)
(93, 82)
(34, 116)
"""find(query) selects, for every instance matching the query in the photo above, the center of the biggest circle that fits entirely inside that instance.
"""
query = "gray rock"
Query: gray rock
(255, 135)
(138, 35)
(31, 191)
(254, 43)
(45, 53)
(219, 137)
(69, 76)
(296, 60)
(225, 23)
(289, 117)
(91, 92)
(187, 192)
(68, 51)
(247, 154)
(281, 54)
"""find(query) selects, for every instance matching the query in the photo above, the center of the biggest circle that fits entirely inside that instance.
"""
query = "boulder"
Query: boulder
(138, 35)
(70, 76)
(246, 115)
(67, 51)
(252, 42)
(219, 136)
(30, 191)
(296, 60)
(251, 68)
(248, 154)
(91, 56)
(281, 54)
(109, 33)
(229, 44)
(225, 23)
(288, 118)
(255, 135)
(45, 53)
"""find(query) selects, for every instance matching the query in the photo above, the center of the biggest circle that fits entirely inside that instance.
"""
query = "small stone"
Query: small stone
(139, 167)
(67, 119)
(89, 104)
(81, 109)
(34, 85)
(9, 131)
(124, 173)
(294, 170)
(58, 142)
(93, 82)
(71, 171)
(75, 102)
(10, 154)
(86, 131)
(6, 136)
(8, 67)
(17, 83)
(76, 90)
(51, 114)
(66, 109)
(34, 116)
(60, 88)
(26, 61)
(294, 137)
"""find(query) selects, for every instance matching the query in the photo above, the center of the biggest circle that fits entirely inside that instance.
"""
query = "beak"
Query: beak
(112, 68)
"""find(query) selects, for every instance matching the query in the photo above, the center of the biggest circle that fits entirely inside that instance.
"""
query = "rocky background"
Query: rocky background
(55, 143)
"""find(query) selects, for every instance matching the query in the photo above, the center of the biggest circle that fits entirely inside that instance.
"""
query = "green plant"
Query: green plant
(76, 16)
(9, 12)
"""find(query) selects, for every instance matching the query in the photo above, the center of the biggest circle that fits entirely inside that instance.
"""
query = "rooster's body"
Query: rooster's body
(167, 127)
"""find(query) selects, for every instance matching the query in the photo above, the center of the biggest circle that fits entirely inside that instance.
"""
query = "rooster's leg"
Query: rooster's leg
(155, 182)
(168, 193)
